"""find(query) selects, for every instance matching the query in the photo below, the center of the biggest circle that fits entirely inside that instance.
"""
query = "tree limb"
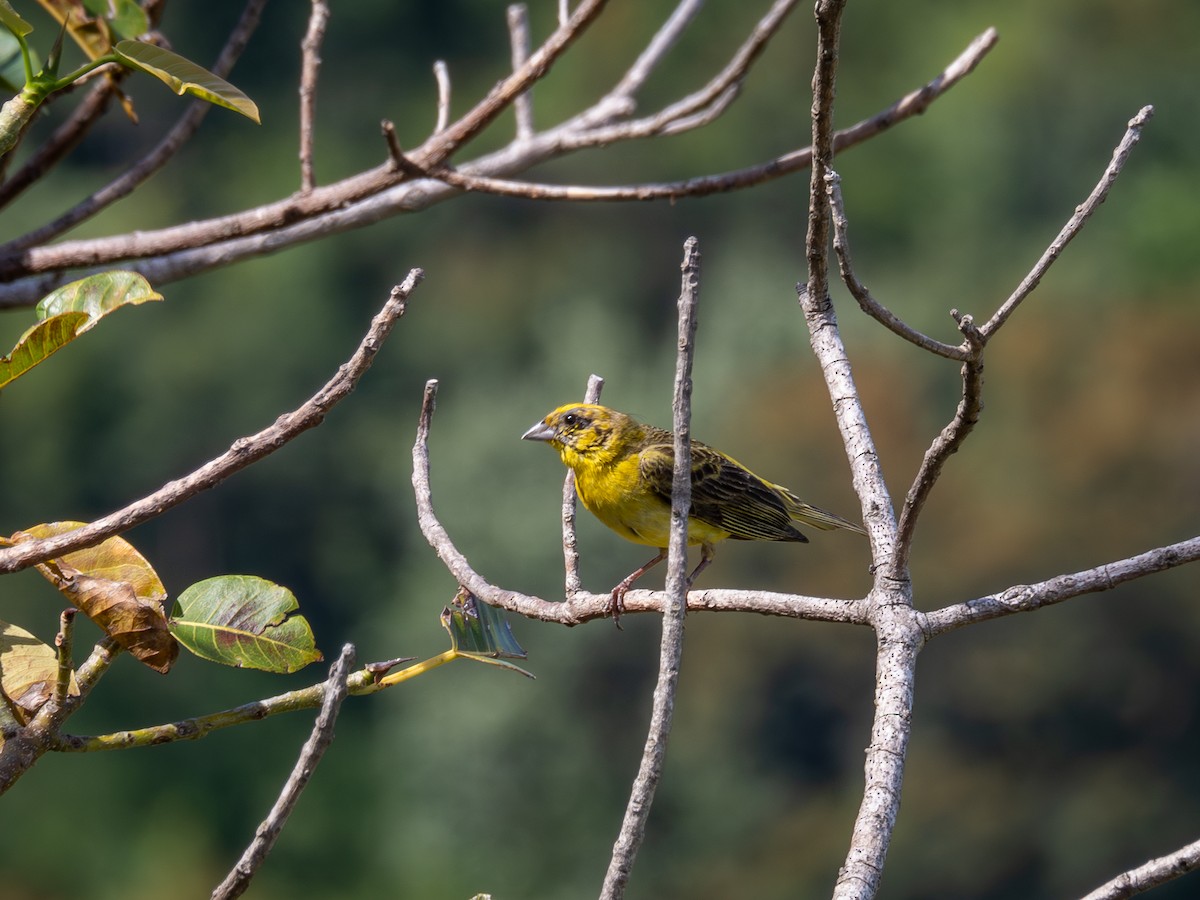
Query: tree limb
(334, 692)
(637, 811)
(242, 453)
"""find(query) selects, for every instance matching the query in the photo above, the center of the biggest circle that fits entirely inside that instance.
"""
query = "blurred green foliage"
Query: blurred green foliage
(1050, 751)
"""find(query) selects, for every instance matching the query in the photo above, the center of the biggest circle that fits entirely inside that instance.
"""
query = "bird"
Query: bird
(623, 474)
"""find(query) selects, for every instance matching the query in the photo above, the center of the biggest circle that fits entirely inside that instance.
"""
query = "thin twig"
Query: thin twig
(518, 36)
(1150, 874)
(712, 93)
(369, 680)
(868, 304)
(660, 45)
(63, 647)
(441, 74)
(948, 441)
(570, 544)
(314, 748)
(637, 812)
(242, 453)
(174, 140)
(1029, 597)
(1083, 212)
(310, 49)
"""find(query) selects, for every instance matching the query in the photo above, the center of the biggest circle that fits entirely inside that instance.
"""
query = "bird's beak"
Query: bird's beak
(539, 432)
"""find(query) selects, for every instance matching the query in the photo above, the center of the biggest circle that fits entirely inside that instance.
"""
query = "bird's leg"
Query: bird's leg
(618, 593)
(707, 552)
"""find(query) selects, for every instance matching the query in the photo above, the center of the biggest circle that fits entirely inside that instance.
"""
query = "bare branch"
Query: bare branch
(318, 742)
(868, 304)
(310, 49)
(441, 73)
(944, 445)
(570, 545)
(242, 453)
(890, 604)
(582, 607)
(654, 53)
(665, 120)
(63, 647)
(637, 811)
(1083, 212)
(518, 34)
(1028, 597)
(360, 200)
(1150, 874)
(179, 134)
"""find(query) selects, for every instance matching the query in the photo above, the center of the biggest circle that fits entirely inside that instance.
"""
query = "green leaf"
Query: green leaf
(69, 312)
(479, 632)
(185, 77)
(115, 587)
(28, 670)
(242, 620)
(13, 22)
(98, 295)
(124, 17)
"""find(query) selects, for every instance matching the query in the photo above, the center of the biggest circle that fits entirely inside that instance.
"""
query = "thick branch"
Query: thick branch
(242, 453)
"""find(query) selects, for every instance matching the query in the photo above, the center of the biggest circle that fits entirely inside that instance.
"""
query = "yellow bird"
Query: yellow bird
(623, 472)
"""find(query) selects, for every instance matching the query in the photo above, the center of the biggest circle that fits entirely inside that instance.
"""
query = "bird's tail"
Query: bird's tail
(816, 517)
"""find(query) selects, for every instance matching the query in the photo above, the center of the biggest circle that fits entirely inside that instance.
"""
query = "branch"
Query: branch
(1133, 134)
(441, 74)
(518, 35)
(173, 253)
(898, 636)
(64, 139)
(310, 51)
(570, 546)
(582, 607)
(1151, 874)
(242, 453)
(318, 742)
(1028, 597)
(868, 304)
(637, 811)
(944, 445)
(172, 142)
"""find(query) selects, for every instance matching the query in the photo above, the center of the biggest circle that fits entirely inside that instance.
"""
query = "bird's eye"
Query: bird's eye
(571, 419)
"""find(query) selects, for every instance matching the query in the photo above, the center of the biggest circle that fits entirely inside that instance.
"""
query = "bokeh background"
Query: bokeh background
(1050, 751)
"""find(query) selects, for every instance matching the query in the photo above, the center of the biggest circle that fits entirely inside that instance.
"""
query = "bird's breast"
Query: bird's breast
(617, 495)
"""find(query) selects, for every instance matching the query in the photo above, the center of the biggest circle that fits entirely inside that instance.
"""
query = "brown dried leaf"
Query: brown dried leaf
(115, 587)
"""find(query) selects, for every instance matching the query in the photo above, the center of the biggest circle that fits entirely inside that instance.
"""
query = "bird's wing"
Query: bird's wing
(725, 494)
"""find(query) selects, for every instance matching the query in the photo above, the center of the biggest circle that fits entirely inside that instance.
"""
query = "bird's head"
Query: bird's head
(580, 431)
